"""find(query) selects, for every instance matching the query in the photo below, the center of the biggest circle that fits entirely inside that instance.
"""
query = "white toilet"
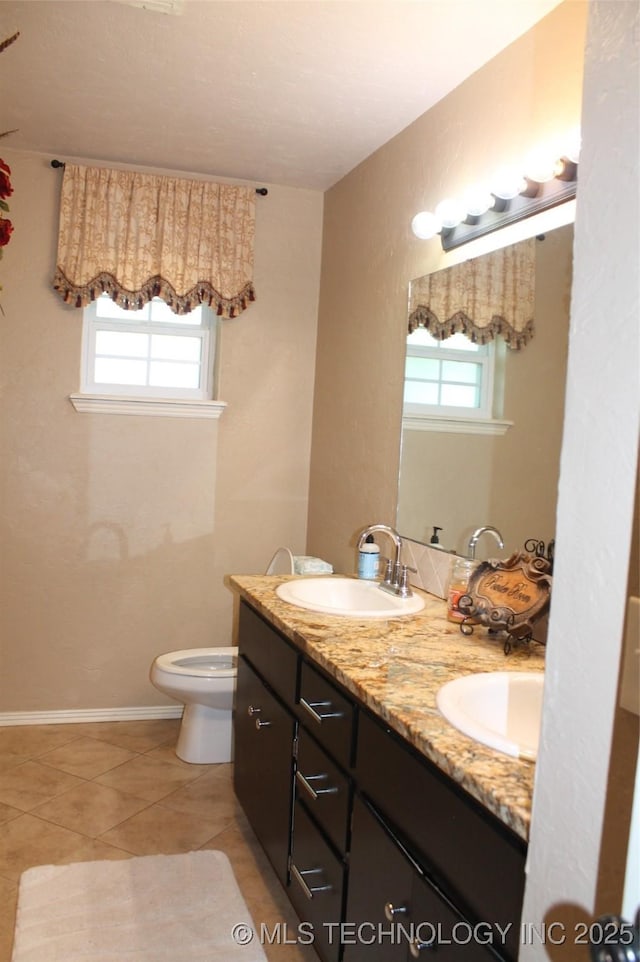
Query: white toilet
(204, 679)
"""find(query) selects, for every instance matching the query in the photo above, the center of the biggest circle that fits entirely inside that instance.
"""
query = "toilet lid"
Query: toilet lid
(281, 563)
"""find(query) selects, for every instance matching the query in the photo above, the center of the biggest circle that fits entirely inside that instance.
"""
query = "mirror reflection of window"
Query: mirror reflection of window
(448, 376)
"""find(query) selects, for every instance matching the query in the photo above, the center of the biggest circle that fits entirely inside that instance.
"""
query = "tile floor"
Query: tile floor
(107, 790)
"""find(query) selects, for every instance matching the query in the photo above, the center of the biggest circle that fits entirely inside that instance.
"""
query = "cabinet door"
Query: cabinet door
(263, 765)
(439, 928)
(379, 893)
(394, 913)
(475, 859)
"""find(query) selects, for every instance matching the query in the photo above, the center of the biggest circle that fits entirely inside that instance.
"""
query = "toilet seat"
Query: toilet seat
(200, 662)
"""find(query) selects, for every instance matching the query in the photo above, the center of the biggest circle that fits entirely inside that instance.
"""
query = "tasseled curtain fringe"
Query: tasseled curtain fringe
(204, 293)
(461, 323)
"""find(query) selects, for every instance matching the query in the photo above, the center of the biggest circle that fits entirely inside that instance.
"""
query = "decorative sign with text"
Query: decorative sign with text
(508, 595)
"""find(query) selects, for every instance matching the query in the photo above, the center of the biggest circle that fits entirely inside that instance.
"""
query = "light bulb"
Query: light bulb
(541, 165)
(477, 200)
(451, 213)
(508, 183)
(425, 225)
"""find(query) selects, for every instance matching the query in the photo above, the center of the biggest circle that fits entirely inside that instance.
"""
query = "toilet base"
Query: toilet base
(206, 735)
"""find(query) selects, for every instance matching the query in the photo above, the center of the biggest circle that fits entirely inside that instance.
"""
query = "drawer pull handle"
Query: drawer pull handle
(305, 780)
(252, 710)
(309, 890)
(416, 947)
(262, 724)
(391, 910)
(319, 717)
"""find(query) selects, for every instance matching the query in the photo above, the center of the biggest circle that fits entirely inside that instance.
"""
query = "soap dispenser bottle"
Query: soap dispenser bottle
(435, 540)
(368, 559)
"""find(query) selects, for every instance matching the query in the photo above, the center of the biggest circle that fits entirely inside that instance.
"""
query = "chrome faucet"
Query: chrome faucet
(396, 577)
(486, 529)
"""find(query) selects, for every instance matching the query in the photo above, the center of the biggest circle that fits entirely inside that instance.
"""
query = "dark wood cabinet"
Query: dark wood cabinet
(383, 855)
(395, 912)
(379, 900)
(263, 765)
(324, 750)
(269, 654)
(327, 713)
(317, 884)
(323, 789)
(468, 853)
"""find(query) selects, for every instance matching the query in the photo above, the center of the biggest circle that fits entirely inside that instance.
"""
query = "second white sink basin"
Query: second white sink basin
(348, 597)
(501, 709)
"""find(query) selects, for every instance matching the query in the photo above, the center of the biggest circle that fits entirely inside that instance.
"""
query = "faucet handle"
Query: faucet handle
(404, 580)
(388, 570)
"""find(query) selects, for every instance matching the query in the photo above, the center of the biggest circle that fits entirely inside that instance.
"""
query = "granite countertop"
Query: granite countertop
(395, 667)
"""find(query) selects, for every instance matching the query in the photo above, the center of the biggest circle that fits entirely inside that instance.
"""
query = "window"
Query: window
(151, 352)
(451, 382)
(449, 375)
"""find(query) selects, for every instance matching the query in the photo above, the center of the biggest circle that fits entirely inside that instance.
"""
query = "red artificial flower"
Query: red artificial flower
(6, 227)
(5, 184)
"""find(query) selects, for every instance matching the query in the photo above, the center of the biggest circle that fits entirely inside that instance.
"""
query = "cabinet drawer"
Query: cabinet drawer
(269, 653)
(323, 788)
(317, 879)
(472, 856)
(397, 912)
(326, 713)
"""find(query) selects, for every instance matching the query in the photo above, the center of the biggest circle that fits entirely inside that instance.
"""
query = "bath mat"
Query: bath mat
(153, 908)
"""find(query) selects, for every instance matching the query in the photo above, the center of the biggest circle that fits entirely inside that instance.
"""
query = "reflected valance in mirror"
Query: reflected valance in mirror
(481, 298)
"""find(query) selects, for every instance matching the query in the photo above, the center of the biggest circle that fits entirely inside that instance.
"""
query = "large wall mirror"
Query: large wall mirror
(461, 481)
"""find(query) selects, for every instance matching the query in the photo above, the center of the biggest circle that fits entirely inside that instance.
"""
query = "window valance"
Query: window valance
(137, 236)
(483, 297)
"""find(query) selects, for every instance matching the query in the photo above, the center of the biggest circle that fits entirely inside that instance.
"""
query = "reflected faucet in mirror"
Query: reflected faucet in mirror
(477, 534)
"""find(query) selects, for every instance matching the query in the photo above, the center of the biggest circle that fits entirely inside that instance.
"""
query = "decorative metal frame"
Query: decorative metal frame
(508, 597)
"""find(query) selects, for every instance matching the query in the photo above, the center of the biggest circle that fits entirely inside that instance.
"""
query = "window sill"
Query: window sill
(147, 406)
(456, 425)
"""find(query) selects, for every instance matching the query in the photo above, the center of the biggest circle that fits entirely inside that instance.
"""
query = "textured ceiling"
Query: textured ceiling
(277, 91)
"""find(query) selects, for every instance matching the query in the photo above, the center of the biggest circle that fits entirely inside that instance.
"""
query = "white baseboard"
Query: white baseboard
(67, 717)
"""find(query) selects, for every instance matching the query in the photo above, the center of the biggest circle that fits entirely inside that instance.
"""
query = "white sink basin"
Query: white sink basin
(501, 709)
(348, 597)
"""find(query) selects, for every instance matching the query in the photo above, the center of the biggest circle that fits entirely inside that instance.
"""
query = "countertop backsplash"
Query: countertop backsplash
(433, 566)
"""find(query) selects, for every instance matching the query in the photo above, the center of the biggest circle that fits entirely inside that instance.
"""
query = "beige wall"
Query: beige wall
(117, 531)
(529, 92)
(462, 481)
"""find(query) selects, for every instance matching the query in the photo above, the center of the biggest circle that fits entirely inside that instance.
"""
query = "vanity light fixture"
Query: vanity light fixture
(548, 180)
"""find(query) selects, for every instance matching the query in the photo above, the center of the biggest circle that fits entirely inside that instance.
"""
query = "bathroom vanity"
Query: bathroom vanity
(393, 834)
